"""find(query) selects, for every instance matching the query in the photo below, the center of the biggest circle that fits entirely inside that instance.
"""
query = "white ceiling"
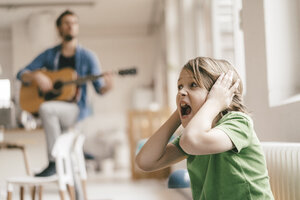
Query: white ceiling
(111, 14)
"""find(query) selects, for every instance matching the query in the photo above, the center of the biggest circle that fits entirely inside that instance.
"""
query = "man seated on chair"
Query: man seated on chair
(59, 115)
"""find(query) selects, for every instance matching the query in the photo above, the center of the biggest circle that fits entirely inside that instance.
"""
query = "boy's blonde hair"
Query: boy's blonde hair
(207, 70)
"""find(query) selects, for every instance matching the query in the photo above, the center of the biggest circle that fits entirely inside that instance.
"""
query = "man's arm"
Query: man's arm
(103, 84)
(37, 63)
(30, 73)
(43, 81)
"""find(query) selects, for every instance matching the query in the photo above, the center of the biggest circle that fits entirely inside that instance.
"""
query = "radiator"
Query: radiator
(283, 163)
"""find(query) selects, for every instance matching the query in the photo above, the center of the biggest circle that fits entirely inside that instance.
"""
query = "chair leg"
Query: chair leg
(33, 191)
(22, 193)
(9, 195)
(62, 195)
(71, 192)
(83, 183)
(40, 192)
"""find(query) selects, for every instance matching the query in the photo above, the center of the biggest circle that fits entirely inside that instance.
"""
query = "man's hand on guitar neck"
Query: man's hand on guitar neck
(44, 82)
(108, 78)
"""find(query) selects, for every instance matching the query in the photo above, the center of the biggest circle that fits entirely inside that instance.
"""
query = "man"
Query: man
(59, 115)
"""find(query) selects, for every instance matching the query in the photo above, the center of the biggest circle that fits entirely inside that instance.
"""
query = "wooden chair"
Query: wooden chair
(9, 145)
(141, 125)
(64, 177)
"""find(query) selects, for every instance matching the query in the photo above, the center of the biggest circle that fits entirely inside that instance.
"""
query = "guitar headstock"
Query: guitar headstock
(129, 71)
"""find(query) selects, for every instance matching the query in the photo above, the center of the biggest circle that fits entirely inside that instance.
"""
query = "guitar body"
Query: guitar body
(31, 97)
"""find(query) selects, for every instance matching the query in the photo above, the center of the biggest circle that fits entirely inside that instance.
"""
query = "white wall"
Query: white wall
(120, 52)
(181, 44)
(173, 50)
(5, 54)
(279, 123)
(30, 37)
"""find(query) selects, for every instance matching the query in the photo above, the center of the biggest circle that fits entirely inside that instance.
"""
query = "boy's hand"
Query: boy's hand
(222, 93)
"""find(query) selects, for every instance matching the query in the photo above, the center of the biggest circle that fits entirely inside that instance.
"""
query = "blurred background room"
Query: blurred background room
(260, 37)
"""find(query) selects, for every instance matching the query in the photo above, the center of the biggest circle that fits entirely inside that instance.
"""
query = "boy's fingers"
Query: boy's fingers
(229, 77)
(219, 80)
(235, 86)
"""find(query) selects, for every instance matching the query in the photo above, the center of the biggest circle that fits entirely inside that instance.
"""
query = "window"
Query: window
(282, 26)
(219, 32)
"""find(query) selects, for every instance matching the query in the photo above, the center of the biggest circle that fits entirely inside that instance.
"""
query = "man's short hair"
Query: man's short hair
(67, 12)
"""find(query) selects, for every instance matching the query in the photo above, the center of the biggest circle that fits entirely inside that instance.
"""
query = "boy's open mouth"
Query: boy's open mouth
(185, 109)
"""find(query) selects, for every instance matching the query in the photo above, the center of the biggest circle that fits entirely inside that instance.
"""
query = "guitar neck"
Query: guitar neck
(81, 80)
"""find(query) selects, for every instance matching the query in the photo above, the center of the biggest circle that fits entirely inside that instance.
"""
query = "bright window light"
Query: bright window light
(4, 93)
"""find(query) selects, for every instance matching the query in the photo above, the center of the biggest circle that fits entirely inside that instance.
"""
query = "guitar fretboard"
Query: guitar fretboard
(82, 80)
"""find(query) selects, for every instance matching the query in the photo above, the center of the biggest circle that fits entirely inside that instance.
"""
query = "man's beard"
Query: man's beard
(68, 38)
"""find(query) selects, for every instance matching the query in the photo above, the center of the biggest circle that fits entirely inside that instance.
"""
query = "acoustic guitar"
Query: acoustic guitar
(65, 82)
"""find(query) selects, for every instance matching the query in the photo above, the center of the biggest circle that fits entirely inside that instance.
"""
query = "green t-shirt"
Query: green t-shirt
(238, 174)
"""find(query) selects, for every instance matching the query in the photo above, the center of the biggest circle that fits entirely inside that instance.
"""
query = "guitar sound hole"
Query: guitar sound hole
(51, 95)
(55, 92)
(40, 92)
(58, 85)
